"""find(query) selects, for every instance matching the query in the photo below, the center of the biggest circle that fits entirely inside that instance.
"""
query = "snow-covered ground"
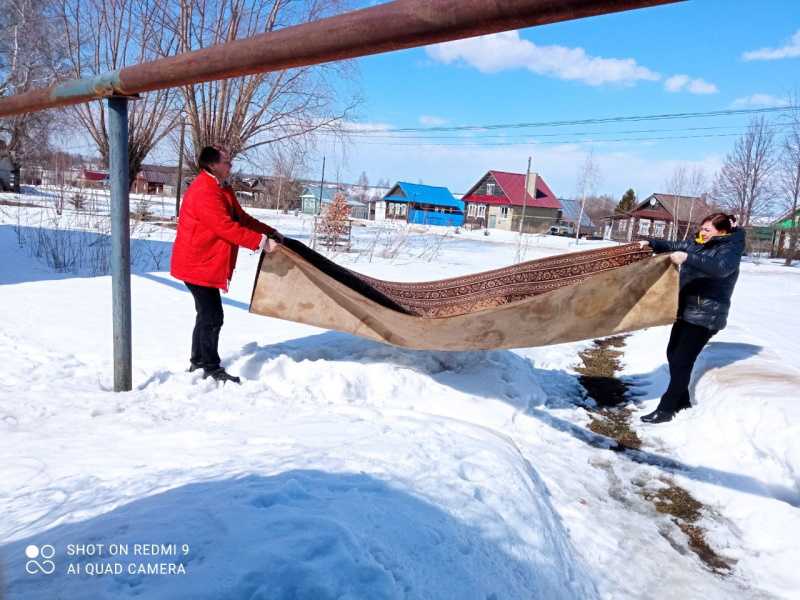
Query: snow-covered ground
(343, 468)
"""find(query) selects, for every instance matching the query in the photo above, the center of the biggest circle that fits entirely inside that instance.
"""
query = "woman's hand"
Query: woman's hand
(678, 258)
(643, 244)
(270, 246)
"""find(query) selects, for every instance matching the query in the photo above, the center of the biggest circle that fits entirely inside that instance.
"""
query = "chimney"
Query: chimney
(532, 185)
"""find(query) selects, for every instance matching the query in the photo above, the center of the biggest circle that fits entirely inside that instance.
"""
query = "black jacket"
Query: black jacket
(707, 277)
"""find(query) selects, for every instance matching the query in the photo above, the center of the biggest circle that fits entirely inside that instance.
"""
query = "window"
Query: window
(644, 227)
(490, 189)
(623, 225)
(504, 212)
(481, 210)
(471, 210)
(658, 229)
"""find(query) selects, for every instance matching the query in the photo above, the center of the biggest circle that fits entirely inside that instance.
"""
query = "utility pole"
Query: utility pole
(321, 181)
(524, 205)
(180, 170)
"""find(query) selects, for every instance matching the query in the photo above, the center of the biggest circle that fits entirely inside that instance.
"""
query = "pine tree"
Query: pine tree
(627, 203)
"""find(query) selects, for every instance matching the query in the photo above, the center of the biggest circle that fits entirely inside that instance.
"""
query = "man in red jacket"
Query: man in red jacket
(211, 227)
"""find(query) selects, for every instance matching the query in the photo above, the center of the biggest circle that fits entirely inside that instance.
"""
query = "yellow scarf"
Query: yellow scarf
(701, 240)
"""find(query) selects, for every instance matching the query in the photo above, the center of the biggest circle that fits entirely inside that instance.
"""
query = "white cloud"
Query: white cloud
(759, 101)
(507, 50)
(790, 50)
(366, 126)
(459, 167)
(679, 83)
(431, 120)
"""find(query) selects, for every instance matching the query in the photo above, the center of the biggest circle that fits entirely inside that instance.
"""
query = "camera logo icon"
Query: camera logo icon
(40, 559)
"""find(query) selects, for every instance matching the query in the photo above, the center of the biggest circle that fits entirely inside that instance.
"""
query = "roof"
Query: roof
(423, 194)
(153, 176)
(571, 210)
(513, 186)
(91, 175)
(683, 204)
(328, 193)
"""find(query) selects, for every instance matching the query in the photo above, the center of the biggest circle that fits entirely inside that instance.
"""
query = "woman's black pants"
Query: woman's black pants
(207, 325)
(685, 343)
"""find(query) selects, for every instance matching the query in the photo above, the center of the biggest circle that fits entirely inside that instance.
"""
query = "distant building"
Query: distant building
(499, 198)
(570, 213)
(313, 204)
(657, 216)
(422, 204)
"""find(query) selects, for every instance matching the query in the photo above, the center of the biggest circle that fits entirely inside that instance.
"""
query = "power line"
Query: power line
(593, 121)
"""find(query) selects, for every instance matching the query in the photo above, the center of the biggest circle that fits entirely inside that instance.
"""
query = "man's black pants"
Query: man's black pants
(207, 325)
(685, 344)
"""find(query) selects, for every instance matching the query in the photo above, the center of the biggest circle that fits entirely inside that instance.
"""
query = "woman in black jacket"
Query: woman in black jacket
(710, 268)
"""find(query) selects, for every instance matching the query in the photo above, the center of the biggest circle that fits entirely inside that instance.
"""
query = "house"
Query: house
(311, 204)
(570, 213)
(93, 178)
(155, 179)
(657, 216)
(781, 233)
(422, 204)
(499, 199)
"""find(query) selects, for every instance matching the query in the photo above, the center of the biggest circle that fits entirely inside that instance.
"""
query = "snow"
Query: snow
(342, 468)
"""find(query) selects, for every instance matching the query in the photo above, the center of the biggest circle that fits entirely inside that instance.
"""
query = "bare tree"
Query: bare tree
(745, 183)
(288, 161)
(105, 35)
(789, 176)
(686, 184)
(588, 179)
(31, 55)
(245, 113)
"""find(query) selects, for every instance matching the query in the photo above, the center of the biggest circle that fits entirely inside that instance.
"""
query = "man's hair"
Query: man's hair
(721, 221)
(208, 156)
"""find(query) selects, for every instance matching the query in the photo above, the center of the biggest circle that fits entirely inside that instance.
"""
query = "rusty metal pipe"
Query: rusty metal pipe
(391, 26)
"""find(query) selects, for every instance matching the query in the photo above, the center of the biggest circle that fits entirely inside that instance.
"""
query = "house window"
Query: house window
(623, 225)
(481, 210)
(504, 212)
(490, 189)
(644, 227)
(658, 229)
(472, 210)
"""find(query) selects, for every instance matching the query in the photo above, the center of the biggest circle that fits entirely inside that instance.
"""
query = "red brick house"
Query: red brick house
(497, 199)
(656, 217)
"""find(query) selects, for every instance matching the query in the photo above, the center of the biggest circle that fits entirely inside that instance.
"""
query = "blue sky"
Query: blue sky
(689, 57)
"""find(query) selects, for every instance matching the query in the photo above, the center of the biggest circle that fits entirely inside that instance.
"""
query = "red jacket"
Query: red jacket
(211, 227)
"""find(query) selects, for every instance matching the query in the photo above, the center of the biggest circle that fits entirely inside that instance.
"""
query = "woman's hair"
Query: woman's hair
(720, 221)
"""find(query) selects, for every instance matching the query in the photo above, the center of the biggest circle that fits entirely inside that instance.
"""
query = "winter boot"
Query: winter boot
(220, 375)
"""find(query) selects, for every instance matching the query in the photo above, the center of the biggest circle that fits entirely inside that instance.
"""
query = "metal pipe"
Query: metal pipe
(120, 242)
(391, 26)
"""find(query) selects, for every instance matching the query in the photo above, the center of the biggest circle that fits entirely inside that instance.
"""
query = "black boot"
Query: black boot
(221, 375)
(193, 367)
(658, 416)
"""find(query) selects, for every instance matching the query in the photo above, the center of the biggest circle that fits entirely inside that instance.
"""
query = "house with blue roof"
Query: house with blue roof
(422, 204)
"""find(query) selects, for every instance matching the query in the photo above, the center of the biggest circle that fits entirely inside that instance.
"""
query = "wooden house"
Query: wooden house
(658, 216)
(421, 204)
(499, 198)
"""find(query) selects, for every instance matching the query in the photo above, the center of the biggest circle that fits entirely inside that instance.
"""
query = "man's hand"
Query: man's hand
(678, 258)
(270, 246)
